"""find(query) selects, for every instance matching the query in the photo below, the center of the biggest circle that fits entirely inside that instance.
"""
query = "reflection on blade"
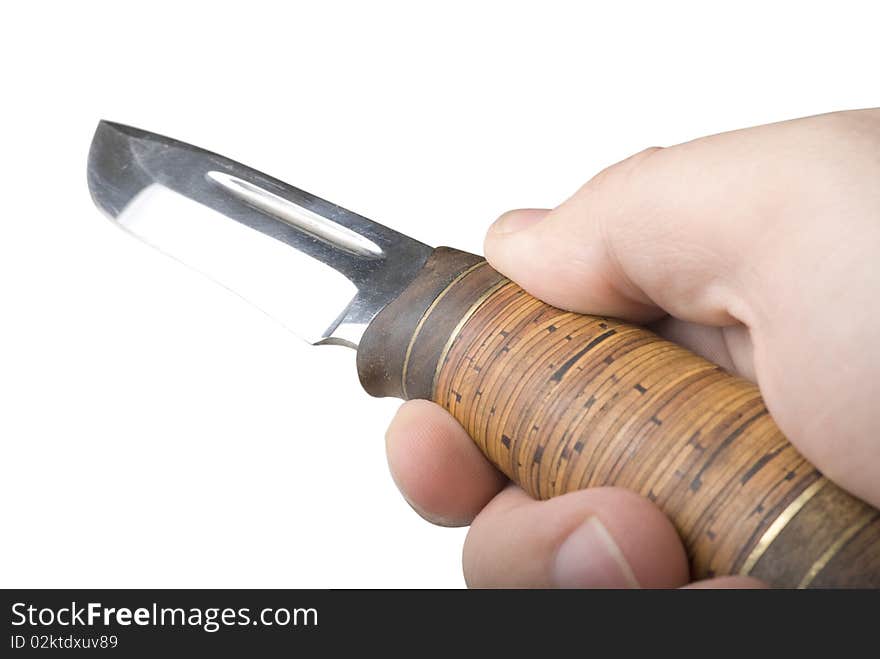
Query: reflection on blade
(252, 233)
(298, 291)
(296, 216)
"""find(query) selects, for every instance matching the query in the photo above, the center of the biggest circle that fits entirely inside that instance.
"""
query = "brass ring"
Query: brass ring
(455, 332)
(424, 317)
(780, 523)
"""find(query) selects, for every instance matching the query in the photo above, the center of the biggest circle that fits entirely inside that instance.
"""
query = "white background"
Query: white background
(155, 430)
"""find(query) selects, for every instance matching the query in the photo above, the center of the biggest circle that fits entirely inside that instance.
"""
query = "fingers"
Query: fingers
(597, 538)
(437, 466)
(604, 537)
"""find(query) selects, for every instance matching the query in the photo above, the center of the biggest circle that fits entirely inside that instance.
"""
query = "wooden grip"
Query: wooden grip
(560, 401)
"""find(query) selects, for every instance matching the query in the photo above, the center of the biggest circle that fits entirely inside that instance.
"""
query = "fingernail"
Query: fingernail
(589, 558)
(517, 220)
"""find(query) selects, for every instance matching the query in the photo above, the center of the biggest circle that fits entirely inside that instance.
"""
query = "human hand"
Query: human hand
(756, 250)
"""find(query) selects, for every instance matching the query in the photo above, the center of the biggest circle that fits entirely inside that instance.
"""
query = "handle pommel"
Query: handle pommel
(560, 401)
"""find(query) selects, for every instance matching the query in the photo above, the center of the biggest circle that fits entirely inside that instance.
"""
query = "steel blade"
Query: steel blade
(247, 231)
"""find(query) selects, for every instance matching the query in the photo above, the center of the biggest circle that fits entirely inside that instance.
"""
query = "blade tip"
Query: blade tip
(111, 173)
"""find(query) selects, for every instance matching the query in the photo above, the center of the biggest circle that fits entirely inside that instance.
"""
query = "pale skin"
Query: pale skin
(758, 249)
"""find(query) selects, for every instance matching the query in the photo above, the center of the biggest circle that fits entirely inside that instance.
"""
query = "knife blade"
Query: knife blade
(188, 197)
(557, 401)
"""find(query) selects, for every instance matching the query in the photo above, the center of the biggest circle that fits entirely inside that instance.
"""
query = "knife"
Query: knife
(557, 401)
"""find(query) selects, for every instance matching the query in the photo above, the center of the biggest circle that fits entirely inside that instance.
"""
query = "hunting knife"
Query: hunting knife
(556, 400)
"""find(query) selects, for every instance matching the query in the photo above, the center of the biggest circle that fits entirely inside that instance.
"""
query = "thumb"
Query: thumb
(643, 238)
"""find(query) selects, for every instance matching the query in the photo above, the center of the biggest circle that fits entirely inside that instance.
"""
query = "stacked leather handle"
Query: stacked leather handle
(560, 401)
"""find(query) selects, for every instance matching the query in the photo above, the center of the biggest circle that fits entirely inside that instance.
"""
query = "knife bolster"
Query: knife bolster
(393, 345)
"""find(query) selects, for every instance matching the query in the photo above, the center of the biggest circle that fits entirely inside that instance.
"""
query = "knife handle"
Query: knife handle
(560, 401)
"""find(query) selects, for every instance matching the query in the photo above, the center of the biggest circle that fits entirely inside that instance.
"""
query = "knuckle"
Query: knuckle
(619, 173)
